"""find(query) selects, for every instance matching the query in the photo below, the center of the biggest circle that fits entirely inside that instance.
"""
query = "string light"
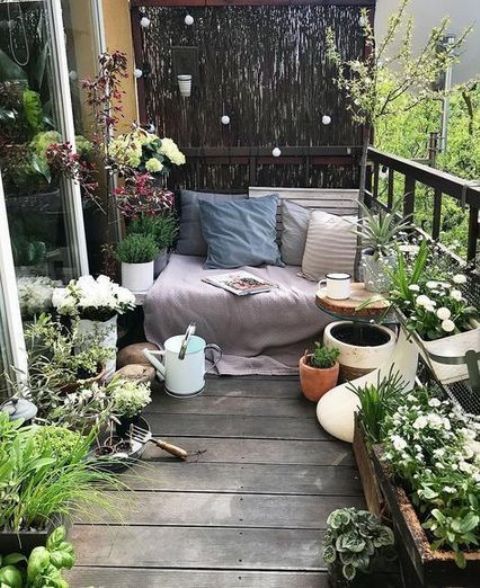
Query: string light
(145, 22)
(189, 20)
(326, 120)
(276, 152)
(138, 73)
(225, 119)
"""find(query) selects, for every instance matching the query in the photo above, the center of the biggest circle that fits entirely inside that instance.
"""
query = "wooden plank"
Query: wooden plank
(252, 386)
(233, 426)
(128, 577)
(245, 478)
(199, 548)
(258, 451)
(335, 194)
(200, 509)
(135, 18)
(409, 198)
(297, 407)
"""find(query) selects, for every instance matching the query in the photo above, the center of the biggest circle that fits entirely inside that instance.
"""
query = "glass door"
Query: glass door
(44, 209)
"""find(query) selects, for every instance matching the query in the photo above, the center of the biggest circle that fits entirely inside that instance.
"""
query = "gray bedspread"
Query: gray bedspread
(259, 334)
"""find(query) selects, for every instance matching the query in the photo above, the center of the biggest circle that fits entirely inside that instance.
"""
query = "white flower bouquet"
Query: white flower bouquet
(92, 299)
(145, 152)
(35, 295)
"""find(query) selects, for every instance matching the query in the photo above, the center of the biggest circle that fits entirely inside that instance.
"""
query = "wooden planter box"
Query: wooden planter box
(368, 477)
(432, 569)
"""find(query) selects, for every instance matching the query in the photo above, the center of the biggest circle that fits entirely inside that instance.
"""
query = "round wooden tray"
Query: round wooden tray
(362, 304)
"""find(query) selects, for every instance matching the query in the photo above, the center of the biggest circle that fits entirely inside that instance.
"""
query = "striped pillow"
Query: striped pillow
(330, 246)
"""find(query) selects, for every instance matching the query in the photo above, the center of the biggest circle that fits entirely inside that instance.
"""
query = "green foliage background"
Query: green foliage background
(406, 133)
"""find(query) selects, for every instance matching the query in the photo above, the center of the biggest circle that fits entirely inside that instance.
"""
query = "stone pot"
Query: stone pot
(375, 271)
(363, 347)
(315, 381)
(160, 262)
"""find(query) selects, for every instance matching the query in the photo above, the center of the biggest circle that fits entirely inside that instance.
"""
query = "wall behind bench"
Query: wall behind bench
(264, 66)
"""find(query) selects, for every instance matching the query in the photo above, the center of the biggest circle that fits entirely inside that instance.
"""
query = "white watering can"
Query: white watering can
(181, 364)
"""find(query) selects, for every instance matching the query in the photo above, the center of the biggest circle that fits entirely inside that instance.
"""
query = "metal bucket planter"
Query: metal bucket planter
(160, 262)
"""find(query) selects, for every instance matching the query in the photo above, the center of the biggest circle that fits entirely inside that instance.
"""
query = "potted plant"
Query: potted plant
(129, 398)
(136, 253)
(28, 256)
(43, 566)
(45, 475)
(319, 371)
(60, 359)
(428, 467)
(363, 346)
(35, 295)
(96, 304)
(163, 229)
(377, 401)
(354, 546)
(379, 232)
(435, 311)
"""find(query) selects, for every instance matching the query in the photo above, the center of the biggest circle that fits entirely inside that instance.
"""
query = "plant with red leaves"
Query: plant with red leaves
(139, 197)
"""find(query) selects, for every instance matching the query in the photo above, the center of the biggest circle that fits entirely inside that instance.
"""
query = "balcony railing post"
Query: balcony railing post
(473, 233)
(391, 186)
(409, 198)
(437, 214)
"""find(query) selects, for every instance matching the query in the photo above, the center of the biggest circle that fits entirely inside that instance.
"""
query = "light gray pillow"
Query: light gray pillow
(190, 239)
(241, 232)
(295, 219)
(331, 245)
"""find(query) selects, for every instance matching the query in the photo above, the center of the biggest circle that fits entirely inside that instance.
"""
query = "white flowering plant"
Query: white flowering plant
(129, 398)
(434, 453)
(81, 410)
(95, 299)
(432, 301)
(146, 152)
(35, 295)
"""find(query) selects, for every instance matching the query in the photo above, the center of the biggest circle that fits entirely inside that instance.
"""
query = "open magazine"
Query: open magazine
(240, 283)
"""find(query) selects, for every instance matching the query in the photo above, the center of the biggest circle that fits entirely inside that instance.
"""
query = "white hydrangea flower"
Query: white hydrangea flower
(420, 422)
(459, 279)
(431, 285)
(448, 326)
(423, 300)
(398, 442)
(456, 295)
(434, 402)
(414, 288)
(443, 313)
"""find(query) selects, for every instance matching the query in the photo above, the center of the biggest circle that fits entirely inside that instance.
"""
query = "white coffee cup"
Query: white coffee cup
(338, 285)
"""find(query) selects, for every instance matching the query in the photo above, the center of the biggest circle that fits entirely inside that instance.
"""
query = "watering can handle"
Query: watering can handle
(183, 347)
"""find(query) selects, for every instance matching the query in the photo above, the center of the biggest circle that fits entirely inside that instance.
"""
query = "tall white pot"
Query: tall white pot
(137, 277)
(107, 331)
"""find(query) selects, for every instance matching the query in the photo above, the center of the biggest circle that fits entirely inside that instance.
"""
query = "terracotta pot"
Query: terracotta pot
(316, 382)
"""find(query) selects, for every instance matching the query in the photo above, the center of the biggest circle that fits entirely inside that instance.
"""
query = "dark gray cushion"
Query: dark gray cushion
(190, 238)
(241, 232)
(295, 219)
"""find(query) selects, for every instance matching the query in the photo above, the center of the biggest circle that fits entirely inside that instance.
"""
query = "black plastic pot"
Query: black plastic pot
(24, 542)
(123, 428)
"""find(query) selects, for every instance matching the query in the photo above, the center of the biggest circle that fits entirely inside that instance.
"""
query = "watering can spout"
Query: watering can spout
(157, 364)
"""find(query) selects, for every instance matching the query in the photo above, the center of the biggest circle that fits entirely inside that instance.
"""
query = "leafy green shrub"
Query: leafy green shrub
(323, 357)
(39, 483)
(28, 252)
(163, 228)
(129, 397)
(137, 248)
(354, 540)
(42, 568)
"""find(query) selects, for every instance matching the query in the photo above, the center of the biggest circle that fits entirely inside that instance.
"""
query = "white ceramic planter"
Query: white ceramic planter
(107, 330)
(185, 84)
(356, 360)
(137, 277)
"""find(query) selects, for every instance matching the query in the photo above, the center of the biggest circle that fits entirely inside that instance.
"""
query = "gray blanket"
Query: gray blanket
(259, 334)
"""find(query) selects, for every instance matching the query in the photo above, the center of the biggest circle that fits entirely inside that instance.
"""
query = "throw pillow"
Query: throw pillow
(241, 232)
(190, 238)
(330, 246)
(295, 219)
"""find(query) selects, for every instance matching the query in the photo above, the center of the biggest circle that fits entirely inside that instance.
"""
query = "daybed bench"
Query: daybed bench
(261, 334)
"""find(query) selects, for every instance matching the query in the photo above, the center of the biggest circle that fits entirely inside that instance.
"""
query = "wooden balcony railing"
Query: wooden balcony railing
(414, 175)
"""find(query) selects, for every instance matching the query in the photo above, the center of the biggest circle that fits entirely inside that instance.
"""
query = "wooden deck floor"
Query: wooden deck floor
(248, 512)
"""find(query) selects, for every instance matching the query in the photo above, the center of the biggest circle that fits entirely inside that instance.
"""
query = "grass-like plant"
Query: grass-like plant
(40, 483)
(323, 357)
(354, 541)
(377, 401)
(163, 228)
(137, 248)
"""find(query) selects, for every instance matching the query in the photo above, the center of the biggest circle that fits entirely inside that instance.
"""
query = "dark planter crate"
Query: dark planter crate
(428, 568)
(371, 489)
(25, 541)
